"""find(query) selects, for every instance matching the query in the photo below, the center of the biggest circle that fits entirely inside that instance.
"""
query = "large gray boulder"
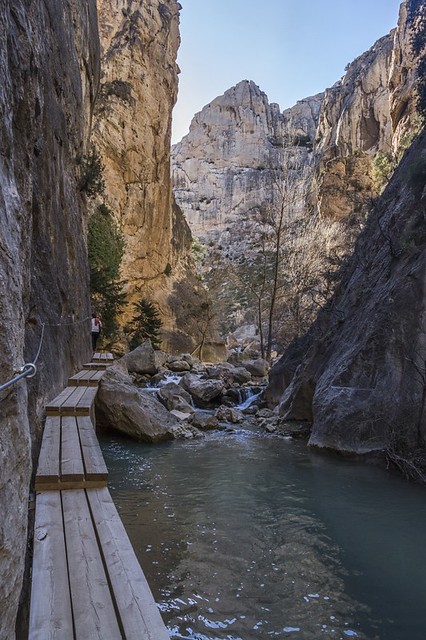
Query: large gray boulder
(204, 421)
(258, 368)
(141, 360)
(179, 365)
(227, 414)
(121, 406)
(175, 398)
(202, 391)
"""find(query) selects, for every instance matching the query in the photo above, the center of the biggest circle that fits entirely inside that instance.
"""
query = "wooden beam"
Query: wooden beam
(93, 607)
(138, 611)
(72, 468)
(50, 608)
(94, 463)
(48, 469)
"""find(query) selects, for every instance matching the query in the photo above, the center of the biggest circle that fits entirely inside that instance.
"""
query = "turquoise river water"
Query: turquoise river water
(248, 536)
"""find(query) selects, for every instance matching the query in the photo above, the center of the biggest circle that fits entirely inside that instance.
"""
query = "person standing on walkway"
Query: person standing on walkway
(96, 329)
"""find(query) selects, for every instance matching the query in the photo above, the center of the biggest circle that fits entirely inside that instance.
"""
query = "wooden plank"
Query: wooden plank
(97, 375)
(83, 377)
(94, 463)
(74, 381)
(102, 356)
(86, 401)
(96, 365)
(139, 614)
(50, 609)
(69, 405)
(93, 607)
(86, 377)
(72, 469)
(48, 469)
(54, 406)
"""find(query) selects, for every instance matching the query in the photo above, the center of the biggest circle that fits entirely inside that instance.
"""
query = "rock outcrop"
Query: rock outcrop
(132, 133)
(49, 71)
(123, 407)
(315, 169)
(225, 169)
(360, 375)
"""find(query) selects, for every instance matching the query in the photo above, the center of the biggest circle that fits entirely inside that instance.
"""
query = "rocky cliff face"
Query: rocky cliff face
(132, 132)
(359, 374)
(370, 110)
(361, 377)
(225, 170)
(48, 74)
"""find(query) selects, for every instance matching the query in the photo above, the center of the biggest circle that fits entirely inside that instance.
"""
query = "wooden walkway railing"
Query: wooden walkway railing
(86, 580)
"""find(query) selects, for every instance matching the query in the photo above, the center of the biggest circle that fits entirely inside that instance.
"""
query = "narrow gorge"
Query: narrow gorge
(325, 201)
(357, 376)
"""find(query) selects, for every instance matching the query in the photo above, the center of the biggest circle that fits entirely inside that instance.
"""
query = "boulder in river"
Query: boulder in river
(202, 391)
(204, 421)
(175, 398)
(227, 414)
(141, 360)
(179, 365)
(121, 406)
(258, 368)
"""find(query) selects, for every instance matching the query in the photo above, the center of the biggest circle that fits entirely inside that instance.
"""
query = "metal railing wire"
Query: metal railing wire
(29, 369)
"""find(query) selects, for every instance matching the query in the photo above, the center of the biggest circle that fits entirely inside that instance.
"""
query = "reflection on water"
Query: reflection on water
(245, 536)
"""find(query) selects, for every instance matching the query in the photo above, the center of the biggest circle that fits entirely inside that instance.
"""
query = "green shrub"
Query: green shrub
(91, 180)
(383, 167)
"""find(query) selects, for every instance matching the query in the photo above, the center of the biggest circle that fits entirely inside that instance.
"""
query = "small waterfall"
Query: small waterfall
(168, 377)
(248, 396)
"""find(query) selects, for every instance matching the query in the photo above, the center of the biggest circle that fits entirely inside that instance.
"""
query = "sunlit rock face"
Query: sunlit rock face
(49, 70)
(371, 109)
(132, 132)
(354, 125)
(224, 170)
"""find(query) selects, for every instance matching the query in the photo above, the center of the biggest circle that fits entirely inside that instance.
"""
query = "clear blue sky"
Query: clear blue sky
(290, 48)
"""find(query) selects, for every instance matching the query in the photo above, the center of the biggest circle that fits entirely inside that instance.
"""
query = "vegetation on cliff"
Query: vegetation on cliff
(105, 249)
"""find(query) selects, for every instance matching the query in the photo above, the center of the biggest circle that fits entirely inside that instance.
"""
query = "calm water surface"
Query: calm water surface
(247, 536)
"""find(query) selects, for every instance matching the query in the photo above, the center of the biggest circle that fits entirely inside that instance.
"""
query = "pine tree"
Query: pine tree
(105, 250)
(145, 324)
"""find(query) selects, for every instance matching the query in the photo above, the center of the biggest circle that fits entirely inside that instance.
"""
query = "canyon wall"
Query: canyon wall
(226, 170)
(359, 376)
(49, 70)
(132, 133)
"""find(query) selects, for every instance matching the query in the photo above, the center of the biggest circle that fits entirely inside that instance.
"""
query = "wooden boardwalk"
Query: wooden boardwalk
(86, 580)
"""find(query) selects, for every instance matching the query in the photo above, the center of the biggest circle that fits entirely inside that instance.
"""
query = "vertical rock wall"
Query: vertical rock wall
(133, 132)
(361, 377)
(221, 168)
(358, 375)
(48, 78)
(225, 169)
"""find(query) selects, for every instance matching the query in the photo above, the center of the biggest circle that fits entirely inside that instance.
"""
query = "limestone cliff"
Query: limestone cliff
(48, 77)
(240, 147)
(370, 110)
(132, 132)
(224, 170)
